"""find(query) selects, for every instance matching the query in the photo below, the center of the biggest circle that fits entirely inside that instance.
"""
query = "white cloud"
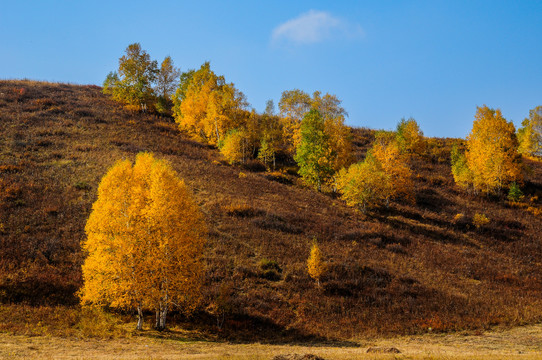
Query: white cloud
(313, 27)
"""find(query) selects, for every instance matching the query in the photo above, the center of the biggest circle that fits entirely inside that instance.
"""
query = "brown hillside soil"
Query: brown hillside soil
(406, 269)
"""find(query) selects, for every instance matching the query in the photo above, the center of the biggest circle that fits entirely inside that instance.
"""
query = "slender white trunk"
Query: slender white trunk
(139, 318)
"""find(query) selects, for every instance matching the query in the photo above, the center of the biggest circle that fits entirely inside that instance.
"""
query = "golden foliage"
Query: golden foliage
(207, 107)
(395, 165)
(363, 185)
(382, 176)
(234, 147)
(145, 239)
(530, 134)
(480, 220)
(316, 265)
(492, 156)
(410, 138)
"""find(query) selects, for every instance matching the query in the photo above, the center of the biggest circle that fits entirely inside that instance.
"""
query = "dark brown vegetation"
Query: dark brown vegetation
(408, 268)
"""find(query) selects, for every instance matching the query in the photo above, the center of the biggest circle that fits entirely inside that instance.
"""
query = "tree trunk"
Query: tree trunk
(139, 318)
(161, 314)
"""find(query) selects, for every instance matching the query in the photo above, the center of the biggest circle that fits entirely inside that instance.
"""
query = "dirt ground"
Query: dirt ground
(520, 343)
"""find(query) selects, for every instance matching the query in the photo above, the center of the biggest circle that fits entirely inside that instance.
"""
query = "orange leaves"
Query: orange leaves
(492, 152)
(207, 107)
(145, 238)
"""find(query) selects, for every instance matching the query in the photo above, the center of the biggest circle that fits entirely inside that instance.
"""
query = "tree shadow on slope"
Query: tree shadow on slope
(243, 329)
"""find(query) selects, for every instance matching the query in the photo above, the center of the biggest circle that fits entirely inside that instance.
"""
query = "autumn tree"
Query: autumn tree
(145, 238)
(167, 80)
(530, 133)
(363, 185)
(207, 107)
(409, 137)
(132, 85)
(492, 152)
(293, 106)
(234, 146)
(316, 265)
(270, 136)
(394, 163)
(460, 169)
(314, 154)
(382, 176)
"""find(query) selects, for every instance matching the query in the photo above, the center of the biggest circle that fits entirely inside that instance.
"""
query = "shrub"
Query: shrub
(266, 264)
(458, 217)
(515, 193)
(95, 322)
(480, 220)
(82, 185)
(271, 270)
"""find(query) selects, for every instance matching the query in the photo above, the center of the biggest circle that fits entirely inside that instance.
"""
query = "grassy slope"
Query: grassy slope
(404, 269)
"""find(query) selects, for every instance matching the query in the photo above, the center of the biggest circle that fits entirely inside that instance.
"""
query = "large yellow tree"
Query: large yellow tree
(492, 151)
(145, 238)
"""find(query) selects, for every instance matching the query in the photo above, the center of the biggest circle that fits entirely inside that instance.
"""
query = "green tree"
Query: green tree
(460, 170)
(132, 84)
(167, 79)
(515, 193)
(314, 154)
(145, 239)
(266, 152)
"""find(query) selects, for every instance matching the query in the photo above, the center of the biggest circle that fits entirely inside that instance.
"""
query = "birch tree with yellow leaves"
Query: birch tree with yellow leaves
(530, 133)
(145, 239)
(492, 154)
(383, 175)
(207, 107)
(316, 266)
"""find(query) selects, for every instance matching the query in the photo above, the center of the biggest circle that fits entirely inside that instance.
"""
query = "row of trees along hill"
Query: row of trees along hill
(311, 131)
(213, 111)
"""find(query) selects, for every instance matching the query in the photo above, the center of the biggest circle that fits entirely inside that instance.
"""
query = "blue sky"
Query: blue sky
(431, 60)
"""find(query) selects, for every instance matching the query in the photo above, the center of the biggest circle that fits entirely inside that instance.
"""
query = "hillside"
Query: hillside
(409, 268)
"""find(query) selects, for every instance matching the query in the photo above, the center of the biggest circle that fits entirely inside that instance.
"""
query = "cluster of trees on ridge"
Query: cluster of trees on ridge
(146, 235)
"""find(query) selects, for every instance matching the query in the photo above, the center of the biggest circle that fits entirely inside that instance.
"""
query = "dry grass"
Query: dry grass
(519, 343)
(407, 269)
